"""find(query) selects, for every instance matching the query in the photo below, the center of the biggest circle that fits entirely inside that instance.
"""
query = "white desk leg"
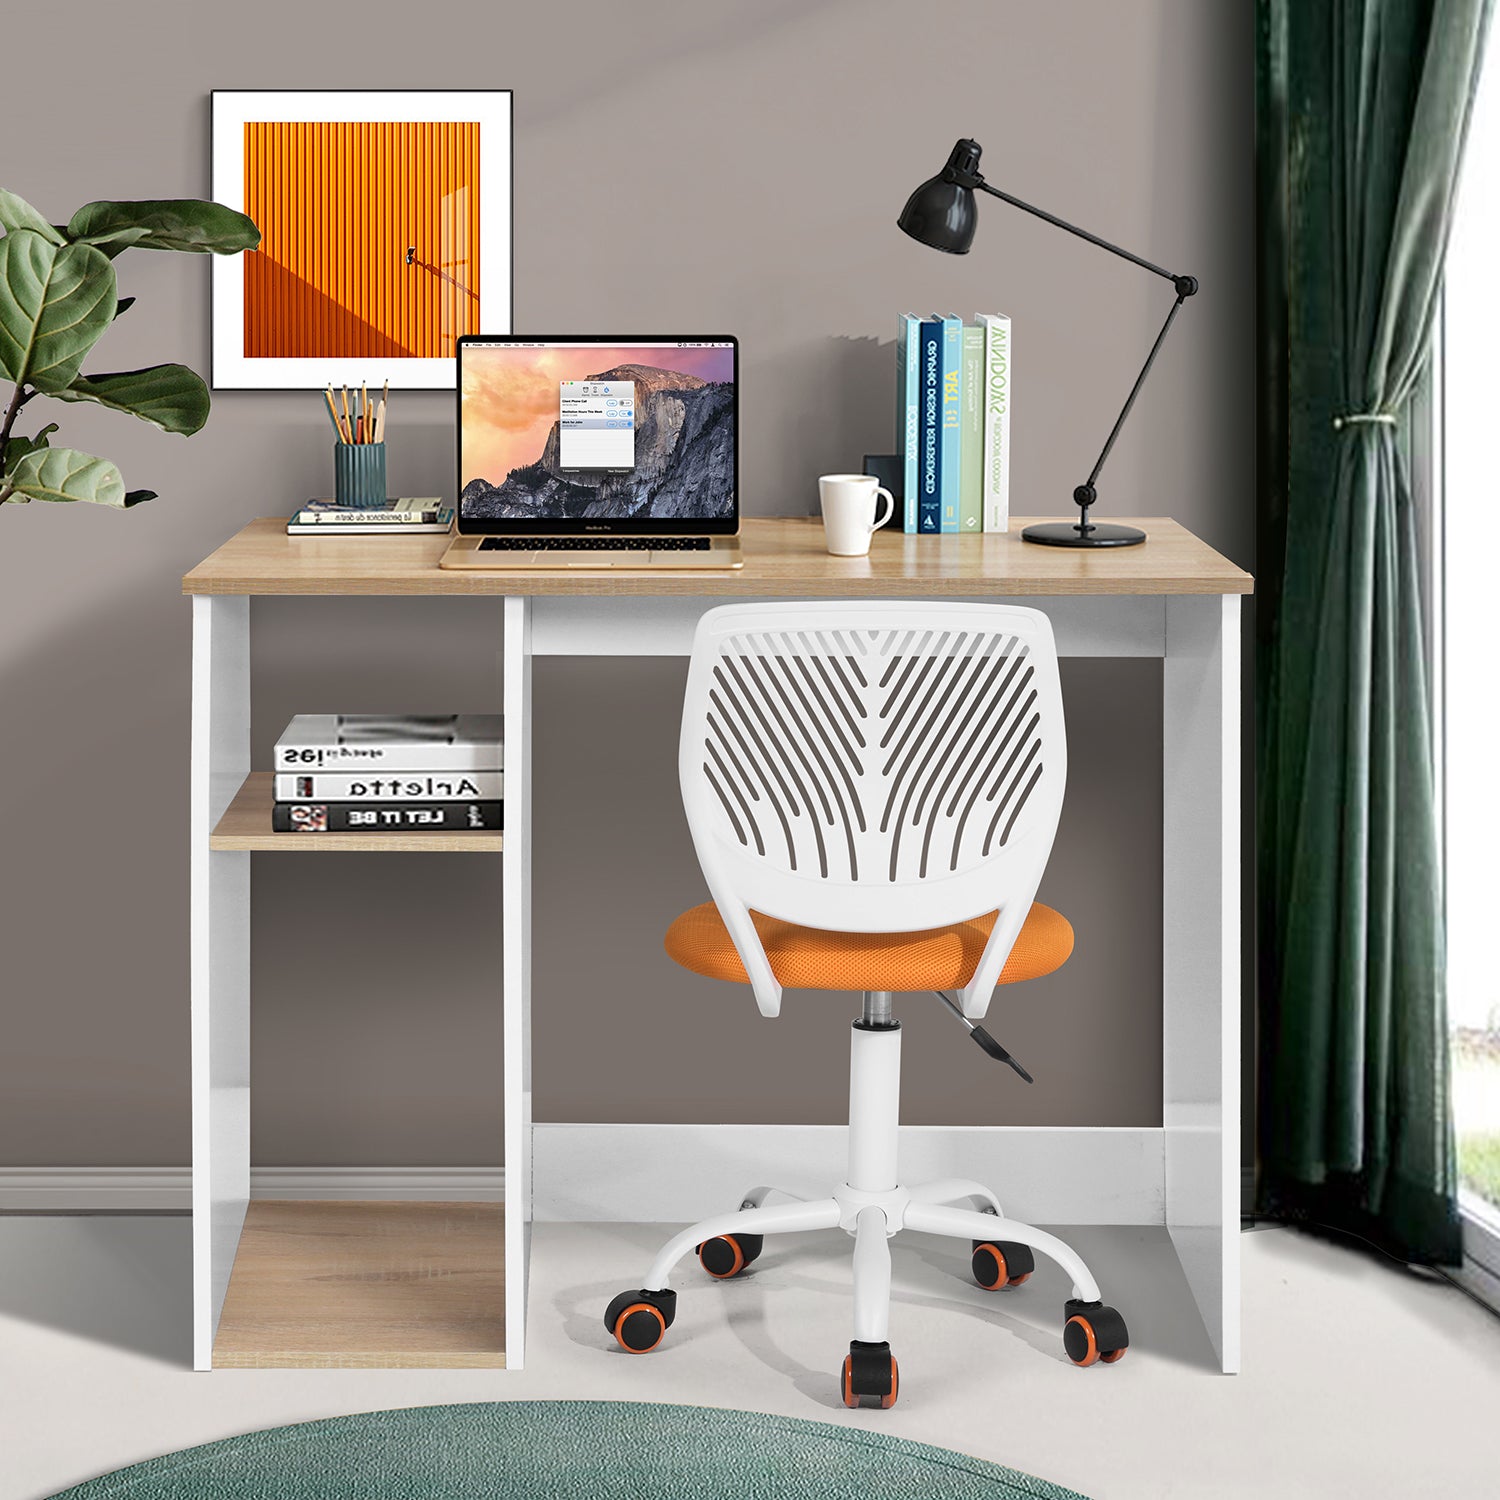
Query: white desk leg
(516, 935)
(1201, 955)
(220, 961)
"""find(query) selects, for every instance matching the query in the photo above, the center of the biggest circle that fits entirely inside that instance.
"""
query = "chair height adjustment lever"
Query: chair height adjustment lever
(983, 1038)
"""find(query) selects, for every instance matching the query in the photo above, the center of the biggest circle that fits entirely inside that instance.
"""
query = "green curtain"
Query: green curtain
(1364, 108)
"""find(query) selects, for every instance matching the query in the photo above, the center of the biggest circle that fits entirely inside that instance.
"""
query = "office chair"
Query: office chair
(872, 792)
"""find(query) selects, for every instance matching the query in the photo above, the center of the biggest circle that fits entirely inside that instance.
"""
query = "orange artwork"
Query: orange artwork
(370, 238)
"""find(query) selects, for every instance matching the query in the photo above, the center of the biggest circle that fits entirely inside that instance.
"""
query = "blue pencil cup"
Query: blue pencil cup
(359, 475)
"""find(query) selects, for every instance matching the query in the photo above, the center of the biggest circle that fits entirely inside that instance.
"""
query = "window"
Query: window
(1467, 617)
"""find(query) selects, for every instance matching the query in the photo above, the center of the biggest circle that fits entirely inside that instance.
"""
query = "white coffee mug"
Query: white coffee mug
(849, 512)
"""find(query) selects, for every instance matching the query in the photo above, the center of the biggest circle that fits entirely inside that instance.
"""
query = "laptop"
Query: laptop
(579, 452)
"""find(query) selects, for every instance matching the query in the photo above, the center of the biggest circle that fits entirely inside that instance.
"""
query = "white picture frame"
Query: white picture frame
(234, 366)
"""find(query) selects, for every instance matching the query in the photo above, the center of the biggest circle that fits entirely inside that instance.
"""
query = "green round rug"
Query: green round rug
(565, 1450)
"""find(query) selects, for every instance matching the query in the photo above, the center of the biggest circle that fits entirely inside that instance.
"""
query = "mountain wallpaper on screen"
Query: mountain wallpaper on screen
(684, 461)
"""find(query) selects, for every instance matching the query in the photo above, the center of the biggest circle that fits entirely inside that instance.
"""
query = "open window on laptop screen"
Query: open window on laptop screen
(572, 434)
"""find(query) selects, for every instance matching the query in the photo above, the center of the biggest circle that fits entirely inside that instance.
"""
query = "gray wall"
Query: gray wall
(768, 153)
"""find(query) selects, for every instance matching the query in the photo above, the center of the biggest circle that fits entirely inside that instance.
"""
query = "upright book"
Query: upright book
(997, 398)
(952, 421)
(930, 478)
(401, 742)
(909, 412)
(971, 479)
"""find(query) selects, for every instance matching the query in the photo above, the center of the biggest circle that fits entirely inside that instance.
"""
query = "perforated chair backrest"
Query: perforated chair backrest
(873, 767)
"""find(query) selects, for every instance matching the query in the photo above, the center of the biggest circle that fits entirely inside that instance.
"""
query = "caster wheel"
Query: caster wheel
(1094, 1332)
(998, 1263)
(870, 1376)
(639, 1320)
(728, 1254)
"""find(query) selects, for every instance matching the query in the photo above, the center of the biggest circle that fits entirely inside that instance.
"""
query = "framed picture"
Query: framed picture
(385, 222)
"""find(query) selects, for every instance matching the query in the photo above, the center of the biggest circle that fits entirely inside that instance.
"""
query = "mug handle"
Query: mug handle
(890, 509)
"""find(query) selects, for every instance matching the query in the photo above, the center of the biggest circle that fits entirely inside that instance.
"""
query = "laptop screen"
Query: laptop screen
(559, 435)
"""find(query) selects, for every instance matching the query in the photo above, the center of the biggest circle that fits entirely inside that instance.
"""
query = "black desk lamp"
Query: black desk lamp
(942, 213)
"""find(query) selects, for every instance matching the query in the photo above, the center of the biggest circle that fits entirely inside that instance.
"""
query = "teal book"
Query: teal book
(971, 460)
(909, 412)
(951, 422)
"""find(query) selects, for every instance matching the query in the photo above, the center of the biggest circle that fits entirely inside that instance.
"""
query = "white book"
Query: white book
(390, 786)
(997, 399)
(391, 742)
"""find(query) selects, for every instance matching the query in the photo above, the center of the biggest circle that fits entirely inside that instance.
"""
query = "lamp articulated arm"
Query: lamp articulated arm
(941, 214)
(1085, 494)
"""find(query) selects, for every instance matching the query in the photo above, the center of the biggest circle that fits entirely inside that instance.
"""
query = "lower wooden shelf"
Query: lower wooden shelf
(246, 825)
(359, 1285)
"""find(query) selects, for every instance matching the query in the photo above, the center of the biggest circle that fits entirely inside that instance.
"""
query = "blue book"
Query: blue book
(950, 488)
(930, 472)
(909, 411)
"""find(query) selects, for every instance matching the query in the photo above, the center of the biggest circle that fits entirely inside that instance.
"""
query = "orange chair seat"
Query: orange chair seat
(810, 958)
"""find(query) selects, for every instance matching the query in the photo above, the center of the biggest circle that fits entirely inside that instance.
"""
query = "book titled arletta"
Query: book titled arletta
(386, 817)
(390, 786)
(425, 744)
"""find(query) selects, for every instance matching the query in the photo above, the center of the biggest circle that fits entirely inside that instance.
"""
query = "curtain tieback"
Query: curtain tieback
(1383, 418)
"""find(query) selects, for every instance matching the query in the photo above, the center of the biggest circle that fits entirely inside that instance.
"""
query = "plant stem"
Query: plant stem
(17, 401)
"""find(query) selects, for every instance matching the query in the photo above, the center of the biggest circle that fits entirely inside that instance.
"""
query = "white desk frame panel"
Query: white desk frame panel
(1197, 638)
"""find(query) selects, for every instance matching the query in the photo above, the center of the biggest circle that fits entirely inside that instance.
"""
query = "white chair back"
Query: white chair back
(873, 767)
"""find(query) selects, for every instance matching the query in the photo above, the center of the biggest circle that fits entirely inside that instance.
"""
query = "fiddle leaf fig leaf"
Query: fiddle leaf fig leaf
(116, 240)
(17, 213)
(55, 301)
(122, 304)
(16, 448)
(64, 474)
(187, 224)
(170, 396)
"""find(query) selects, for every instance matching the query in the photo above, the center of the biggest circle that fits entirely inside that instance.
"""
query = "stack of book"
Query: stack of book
(953, 388)
(375, 773)
(422, 515)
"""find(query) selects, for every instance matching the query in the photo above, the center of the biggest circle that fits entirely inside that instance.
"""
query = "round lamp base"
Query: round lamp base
(1068, 534)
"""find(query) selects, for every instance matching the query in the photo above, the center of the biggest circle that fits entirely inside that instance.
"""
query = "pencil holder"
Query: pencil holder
(359, 475)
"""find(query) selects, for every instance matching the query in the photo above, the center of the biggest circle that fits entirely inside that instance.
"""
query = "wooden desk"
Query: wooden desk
(1174, 598)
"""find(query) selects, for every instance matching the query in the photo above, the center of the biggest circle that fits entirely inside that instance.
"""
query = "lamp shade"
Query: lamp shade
(942, 213)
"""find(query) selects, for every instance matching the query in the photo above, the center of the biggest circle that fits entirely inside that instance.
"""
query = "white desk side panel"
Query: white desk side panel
(1201, 955)
(220, 958)
(516, 973)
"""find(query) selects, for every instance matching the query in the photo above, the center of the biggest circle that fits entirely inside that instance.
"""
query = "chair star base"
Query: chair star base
(872, 1207)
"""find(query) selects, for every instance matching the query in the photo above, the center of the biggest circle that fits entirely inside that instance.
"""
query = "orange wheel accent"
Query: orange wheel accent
(1113, 1357)
(635, 1307)
(739, 1259)
(887, 1402)
(1093, 1347)
(1017, 1280)
(1001, 1276)
(850, 1399)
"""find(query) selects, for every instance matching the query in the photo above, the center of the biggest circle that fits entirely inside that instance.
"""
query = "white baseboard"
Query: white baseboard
(138, 1189)
(677, 1173)
(673, 1174)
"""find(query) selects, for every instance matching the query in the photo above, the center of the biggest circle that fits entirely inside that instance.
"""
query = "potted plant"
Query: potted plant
(57, 296)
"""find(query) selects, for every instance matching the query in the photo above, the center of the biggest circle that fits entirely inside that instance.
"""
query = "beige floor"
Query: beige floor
(1360, 1380)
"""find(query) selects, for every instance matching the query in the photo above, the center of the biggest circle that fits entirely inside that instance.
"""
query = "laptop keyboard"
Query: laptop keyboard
(594, 544)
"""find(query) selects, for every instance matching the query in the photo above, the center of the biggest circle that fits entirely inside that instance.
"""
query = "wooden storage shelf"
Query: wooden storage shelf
(372, 1286)
(246, 824)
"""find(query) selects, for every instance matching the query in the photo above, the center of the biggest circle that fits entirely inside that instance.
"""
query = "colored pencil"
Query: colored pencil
(333, 415)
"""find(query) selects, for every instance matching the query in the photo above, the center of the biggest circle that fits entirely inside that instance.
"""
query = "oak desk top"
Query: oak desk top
(783, 558)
